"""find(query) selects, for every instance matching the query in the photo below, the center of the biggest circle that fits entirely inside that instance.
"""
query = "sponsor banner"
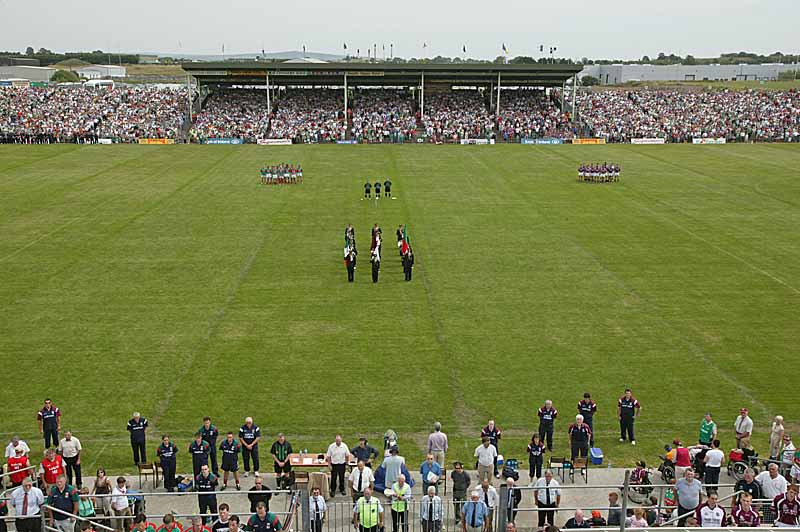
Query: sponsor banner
(346, 142)
(224, 141)
(547, 140)
(275, 142)
(156, 141)
(5, 83)
(208, 72)
(709, 141)
(105, 141)
(288, 73)
(648, 140)
(588, 141)
(476, 141)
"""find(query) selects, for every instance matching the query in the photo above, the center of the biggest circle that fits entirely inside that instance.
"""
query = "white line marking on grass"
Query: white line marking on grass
(39, 239)
(99, 453)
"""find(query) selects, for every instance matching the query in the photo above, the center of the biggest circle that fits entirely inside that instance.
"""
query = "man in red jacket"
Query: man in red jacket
(16, 465)
(51, 467)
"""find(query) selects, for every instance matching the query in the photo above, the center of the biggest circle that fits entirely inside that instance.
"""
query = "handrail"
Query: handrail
(176, 493)
(687, 514)
(17, 471)
(73, 516)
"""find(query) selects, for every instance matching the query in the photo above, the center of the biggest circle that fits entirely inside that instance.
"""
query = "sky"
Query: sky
(612, 29)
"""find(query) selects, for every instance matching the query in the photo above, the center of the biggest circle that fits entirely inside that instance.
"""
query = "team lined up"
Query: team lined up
(280, 174)
(599, 172)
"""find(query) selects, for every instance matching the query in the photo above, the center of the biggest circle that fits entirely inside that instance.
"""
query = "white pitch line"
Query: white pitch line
(36, 240)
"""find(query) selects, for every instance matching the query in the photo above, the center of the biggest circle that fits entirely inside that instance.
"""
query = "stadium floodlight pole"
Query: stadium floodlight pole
(269, 98)
(189, 98)
(422, 97)
(497, 112)
(345, 99)
(574, 94)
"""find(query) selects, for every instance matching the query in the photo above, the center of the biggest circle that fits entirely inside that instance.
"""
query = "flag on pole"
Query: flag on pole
(464, 48)
(345, 46)
(424, 45)
(304, 49)
(505, 50)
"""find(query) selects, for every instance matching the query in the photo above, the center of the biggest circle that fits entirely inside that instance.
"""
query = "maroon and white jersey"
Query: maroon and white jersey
(710, 517)
(787, 511)
(745, 517)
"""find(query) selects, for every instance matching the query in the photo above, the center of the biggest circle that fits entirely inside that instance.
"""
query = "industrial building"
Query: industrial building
(619, 73)
(30, 73)
(101, 71)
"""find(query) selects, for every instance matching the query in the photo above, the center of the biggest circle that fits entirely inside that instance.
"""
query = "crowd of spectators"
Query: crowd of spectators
(455, 115)
(383, 115)
(683, 115)
(309, 115)
(80, 114)
(530, 114)
(233, 113)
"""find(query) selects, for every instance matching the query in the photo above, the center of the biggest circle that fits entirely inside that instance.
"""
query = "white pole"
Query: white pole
(491, 94)
(189, 96)
(574, 93)
(269, 98)
(345, 99)
(497, 113)
(422, 97)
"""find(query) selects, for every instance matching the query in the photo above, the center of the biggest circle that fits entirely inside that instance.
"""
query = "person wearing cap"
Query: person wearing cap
(280, 451)
(210, 433)
(438, 444)
(474, 514)
(587, 408)
(199, 450)
(364, 452)
(49, 418)
(167, 455)
(494, 434)
(27, 501)
(137, 426)
(400, 496)
(743, 426)
(317, 509)
(337, 456)
(368, 513)
(708, 430)
(577, 521)
(361, 477)
(249, 436)
(393, 465)
(70, 449)
(680, 457)
(11, 448)
(431, 472)
(431, 511)
(486, 453)
(461, 481)
(17, 465)
(597, 520)
(513, 498)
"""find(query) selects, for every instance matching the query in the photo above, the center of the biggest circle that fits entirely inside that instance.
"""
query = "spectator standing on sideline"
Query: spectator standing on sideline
(687, 491)
(230, 461)
(431, 472)
(137, 426)
(437, 441)
(120, 505)
(206, 485)
(400, 496)
(199, 450)
(513, 498)
(772, 484)
(210, 433)
(547, 418)
(487, 457)
(12, 447)
(259, 493)
(317, 509)
(249, 436)
(393, 465)
(587, 408)
(361, 477)
(337, 456)
(364, 452)
(167, 455)
(49, 418)
(744, 429)
(708, 430)
(628, 409)
(713, 460)
(27, 501)
(280, 451)
(579, 436)
(547, 494)
(102, 486)
(368, 513)
(461, 483)
(50, 468)
(775, 437)
(615, 511)
(490, 499)
(494, 434)
(70, 449)
(746, 485)
(431, 511)
(16, 467)
(474, 514)
(535, 456)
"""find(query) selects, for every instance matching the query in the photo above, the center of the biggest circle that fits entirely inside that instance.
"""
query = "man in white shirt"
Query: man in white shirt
(27, 501)
(16, 442)
(486, 454)
(744, 429)
(490, 498)
(361, 477)
(714, 459)
(70, 449)
(772, 484)
(119, 504)
(431, 511)
(317, 509)
(337, 457)
(546, 494)
(710, 514)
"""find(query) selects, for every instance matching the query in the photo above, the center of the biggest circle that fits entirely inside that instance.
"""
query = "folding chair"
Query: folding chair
(579, 465)
(146, 470)
(558, 464)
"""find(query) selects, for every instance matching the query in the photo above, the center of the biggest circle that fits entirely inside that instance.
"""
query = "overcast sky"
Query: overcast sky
(625, 29)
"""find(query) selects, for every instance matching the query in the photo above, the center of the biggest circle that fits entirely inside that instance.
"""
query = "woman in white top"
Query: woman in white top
(776, 437)
(714, 459)
(638, 519)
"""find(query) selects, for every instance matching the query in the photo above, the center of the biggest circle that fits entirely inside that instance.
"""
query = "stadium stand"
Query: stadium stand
(530, 114)
(233, 113)
(309, 115)
(456, 115)
(383, 116)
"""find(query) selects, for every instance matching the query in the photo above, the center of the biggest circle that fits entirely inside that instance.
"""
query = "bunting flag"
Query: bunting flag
(464, 48)
(424, 45)
(345, 46)
(505, 50)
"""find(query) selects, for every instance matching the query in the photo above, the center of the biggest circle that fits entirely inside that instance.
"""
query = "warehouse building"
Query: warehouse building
(30, 73)
(616, 74)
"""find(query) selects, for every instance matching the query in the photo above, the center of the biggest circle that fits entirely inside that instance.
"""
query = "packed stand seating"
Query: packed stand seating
(383, 116)
(145, 112)
(309, 115)
(530, 114)
(680, 116)
(456, 115)
(233, 113)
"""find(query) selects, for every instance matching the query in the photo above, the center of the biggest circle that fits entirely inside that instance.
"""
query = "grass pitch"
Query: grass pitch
(167, 280)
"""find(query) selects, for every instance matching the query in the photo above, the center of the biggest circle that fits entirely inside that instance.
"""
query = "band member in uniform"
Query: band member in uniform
(547, 418)
(350, 263)
(375, 259)
(408, 261)
(210, 433)
(587, 407)
(579, 436)
(230, 460)
(166, 453)
(199, 450)
(137, 426)
(628, 409)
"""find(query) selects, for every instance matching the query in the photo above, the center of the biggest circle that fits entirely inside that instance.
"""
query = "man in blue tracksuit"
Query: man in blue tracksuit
(199, 450)
(206, 483)
(210, 433)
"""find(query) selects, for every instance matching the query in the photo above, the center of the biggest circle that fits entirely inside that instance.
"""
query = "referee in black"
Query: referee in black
(367, 189)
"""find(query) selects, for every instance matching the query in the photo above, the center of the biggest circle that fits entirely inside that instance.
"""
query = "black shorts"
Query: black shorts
(230, 465)
(287, 467)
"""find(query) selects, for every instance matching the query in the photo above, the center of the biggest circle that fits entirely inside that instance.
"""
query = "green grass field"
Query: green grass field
(167, 280)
